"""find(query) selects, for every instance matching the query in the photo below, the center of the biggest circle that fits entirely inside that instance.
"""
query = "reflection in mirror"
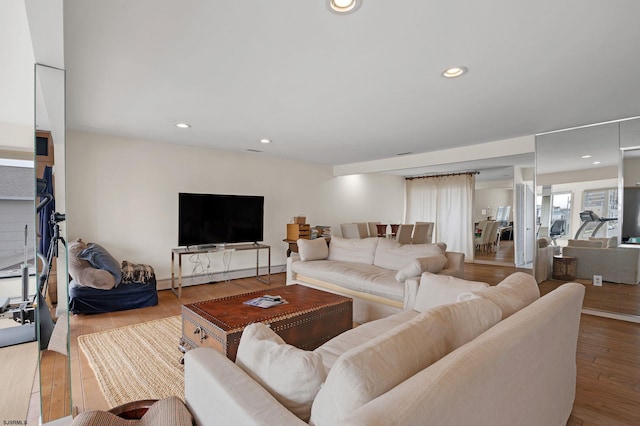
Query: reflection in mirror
(631, 197)
(578, 215)
(55, 390)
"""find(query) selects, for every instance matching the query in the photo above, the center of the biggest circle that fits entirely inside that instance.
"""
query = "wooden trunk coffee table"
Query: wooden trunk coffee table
(311, 318)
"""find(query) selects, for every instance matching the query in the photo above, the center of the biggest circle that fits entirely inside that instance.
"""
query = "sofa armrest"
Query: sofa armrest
(218, 392)
(411, 286)
(455, 265)
(294, 257)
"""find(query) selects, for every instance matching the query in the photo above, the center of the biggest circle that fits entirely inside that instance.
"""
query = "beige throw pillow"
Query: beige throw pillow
(291, 375)
(512, 294)
(353, 250)
(373, 368)
(416, 267)
(436, 290)
(313, 249)
(390, 254)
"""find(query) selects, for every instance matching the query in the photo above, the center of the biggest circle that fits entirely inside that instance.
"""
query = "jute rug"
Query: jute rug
(17, 369)
(137, 362)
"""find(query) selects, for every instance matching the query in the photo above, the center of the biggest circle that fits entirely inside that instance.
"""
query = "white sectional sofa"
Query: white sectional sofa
(497, 356)
(380, 274)
(594, 257)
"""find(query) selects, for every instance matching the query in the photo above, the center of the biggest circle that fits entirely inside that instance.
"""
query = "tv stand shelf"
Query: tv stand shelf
(182, 251)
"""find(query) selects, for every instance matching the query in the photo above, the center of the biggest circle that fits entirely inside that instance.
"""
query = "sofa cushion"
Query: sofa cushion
(390, 254)
(609, 242)
(82, 271)
(436, 290)
(313, 249)
(293, 376)
(373, 368)
(585, 243)
(512, 294)
(353, 276)
(544, 242)
(100, 258)
(334, 348)
(416, 267)
(353, 249)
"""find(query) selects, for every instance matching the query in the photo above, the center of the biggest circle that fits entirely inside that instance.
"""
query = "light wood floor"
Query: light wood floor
(608, 358)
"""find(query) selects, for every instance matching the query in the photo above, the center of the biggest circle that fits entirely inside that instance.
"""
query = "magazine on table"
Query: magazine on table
(266, 301)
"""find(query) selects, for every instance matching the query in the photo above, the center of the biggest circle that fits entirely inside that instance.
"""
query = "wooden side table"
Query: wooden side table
(564, 268)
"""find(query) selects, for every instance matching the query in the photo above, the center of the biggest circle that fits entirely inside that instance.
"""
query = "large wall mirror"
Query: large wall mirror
(53, 321)
(588, 208)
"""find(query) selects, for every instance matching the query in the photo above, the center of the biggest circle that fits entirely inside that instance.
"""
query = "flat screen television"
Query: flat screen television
(208, 219)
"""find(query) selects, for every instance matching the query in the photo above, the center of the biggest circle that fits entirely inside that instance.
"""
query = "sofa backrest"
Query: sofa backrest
(585, 243)
(390, 254)
(521, 371)
(369, 370)
(607, 242)
(354, 250)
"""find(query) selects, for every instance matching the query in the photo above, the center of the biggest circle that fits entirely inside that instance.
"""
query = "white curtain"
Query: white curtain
(448, 202)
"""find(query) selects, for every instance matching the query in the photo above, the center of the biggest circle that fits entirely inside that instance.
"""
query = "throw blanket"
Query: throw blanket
(136, 273)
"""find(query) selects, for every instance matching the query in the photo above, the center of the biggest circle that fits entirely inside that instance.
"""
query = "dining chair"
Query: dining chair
(403, 235)
(422, 233)
(349, 230)
(373, 229)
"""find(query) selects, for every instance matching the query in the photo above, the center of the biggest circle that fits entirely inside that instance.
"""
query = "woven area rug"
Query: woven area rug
(137, 362)
(18, 369)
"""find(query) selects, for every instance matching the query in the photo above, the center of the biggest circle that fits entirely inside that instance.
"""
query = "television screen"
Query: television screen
(219, 219)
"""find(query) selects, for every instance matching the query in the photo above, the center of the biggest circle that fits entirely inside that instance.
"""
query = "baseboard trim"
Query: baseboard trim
(612, 315)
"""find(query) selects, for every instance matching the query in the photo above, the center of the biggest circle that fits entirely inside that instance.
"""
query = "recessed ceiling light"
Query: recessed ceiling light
(343, 7)
(586, 156)
(453, 72)
(596, 162)
(265, 140)
(183, 125)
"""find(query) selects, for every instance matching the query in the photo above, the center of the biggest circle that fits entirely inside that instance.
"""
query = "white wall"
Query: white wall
(16, 137)
(123, 194)
(492, 198)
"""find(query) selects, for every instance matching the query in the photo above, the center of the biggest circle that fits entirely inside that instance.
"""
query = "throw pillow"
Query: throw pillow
(100, 258)
(82, 271)
(291, 375)
(367, 371)
(585, 243)
(512, 294)
(607, 242)
(416, 267)
(390, 254)
(436, 290)
(353, 249)
(313, 249)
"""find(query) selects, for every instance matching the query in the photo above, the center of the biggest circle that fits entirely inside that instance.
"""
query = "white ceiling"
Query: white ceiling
(343, 89)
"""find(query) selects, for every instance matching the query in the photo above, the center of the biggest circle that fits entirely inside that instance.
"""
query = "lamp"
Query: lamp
(343, 7)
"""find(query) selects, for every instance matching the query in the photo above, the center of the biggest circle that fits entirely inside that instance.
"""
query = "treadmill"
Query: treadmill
(587, 217)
